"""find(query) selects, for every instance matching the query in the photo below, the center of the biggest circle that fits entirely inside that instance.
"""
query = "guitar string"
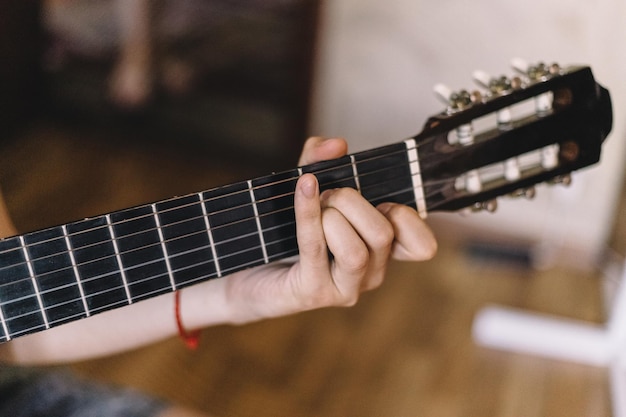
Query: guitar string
(255, 262)
(236, 193)
(422, 141)
(190, 282)
(208, 261)
(196, 280)
(192, 204)
(204, 277)
(212, 214)
(197, 232)
(201, 278)
(204, 231)
(382, 197)
(138, 282)
(203, 203)
(195, 249)
(124, 302)
(244, 192)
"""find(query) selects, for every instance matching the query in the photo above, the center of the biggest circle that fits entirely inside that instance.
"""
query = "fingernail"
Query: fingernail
(326, 195)
(384, 208)
(308, 185)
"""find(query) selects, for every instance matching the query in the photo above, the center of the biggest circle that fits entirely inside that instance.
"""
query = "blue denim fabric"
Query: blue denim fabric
(25, 393)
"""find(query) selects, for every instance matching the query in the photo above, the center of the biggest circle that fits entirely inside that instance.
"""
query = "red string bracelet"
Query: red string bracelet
(191, 339)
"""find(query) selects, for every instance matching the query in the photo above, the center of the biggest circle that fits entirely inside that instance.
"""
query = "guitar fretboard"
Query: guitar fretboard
(69, 272)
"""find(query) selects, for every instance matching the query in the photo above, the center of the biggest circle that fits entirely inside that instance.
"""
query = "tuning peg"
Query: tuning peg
(496, 85)
(542, 71)
(453, 101)
(555, 69)
(536, 72)
(489, 206)
(460, 100)
(456, 100)
(565, 180)
(528, 193)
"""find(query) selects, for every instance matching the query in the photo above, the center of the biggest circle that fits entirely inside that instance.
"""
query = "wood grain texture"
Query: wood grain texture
(404, 350)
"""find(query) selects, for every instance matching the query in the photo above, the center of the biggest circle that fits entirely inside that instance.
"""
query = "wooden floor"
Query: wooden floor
(405, 350)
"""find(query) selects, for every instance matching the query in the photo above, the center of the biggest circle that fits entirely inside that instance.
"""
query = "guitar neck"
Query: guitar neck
(69, 272)
(65, 273)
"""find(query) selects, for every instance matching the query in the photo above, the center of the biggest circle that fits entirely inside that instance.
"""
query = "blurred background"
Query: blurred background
(106, 104)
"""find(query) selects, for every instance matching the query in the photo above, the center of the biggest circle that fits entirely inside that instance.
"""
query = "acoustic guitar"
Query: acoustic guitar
(539, 126)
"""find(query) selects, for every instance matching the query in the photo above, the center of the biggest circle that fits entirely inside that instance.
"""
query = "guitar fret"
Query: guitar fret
(234, 226)
(31, 271)
(275, 199)
(163, 247)
(97, 265)
(334, 173)
(188, 247)
(118, 257)
(355, 172)
(70, 251)
(258, 221)
(416, 177)
(140, 251)
(205, 214)
(5, 328)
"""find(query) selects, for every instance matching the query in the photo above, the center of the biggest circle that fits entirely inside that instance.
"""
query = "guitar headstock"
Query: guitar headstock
(536, 126)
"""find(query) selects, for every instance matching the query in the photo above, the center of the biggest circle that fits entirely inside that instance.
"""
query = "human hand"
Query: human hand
(360, 237)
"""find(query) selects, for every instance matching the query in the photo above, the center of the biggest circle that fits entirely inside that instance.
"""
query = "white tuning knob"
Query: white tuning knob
(482, 78)
(443, 92)
(520, 65)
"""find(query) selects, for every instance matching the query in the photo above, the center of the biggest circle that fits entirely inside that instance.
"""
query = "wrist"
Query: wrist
(204, 305)
(243, 297)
